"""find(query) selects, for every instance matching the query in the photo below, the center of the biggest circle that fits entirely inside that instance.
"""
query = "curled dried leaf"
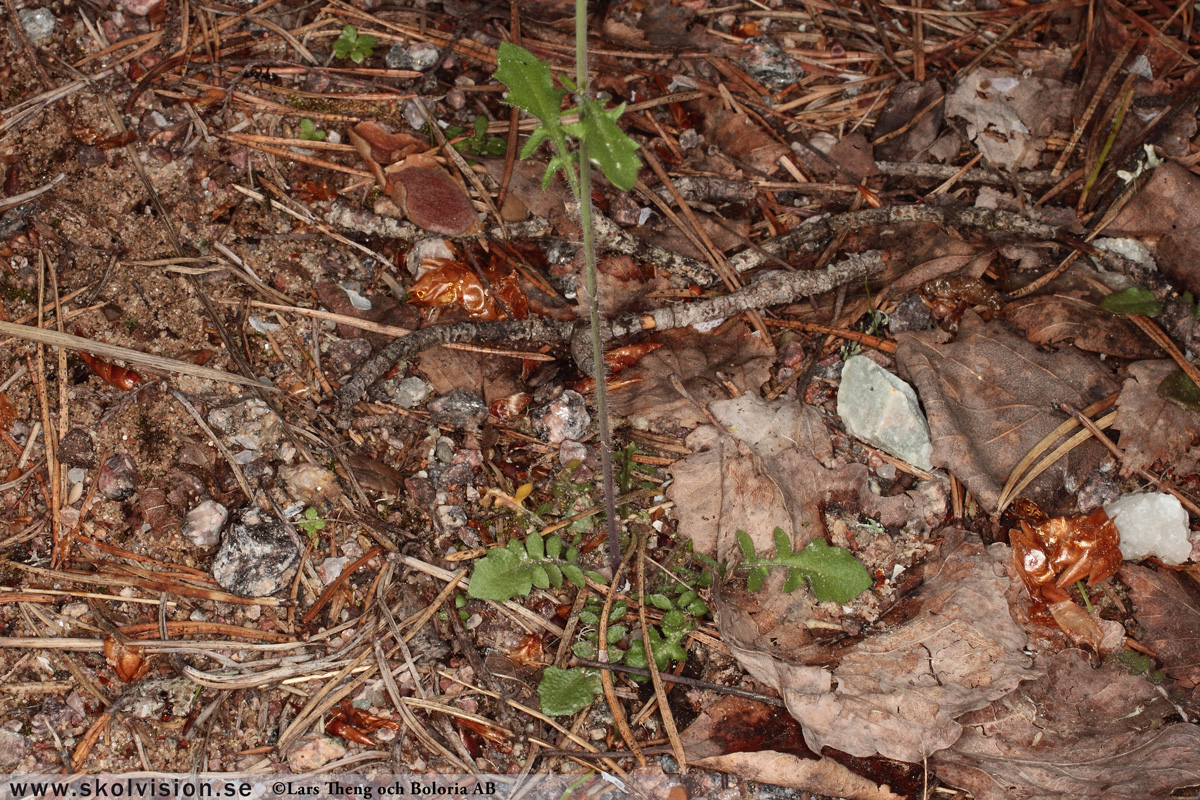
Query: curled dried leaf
(1077, 624)
(509, 408)
(531, 652)
(452, 282)
(111, 374)
(383, 146)
(1052, 553)
(617, 361)
(961, 289)
(8, 412)
(354, 724)
(128, 661)
(501, 739)
(343, 729)
(431, 199)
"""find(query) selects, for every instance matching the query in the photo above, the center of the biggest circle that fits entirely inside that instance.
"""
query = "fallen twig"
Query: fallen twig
(775, 288)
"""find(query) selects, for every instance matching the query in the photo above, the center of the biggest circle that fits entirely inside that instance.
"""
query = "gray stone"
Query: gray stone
(448, 519)
(883, 411)
(419, 56)
(313, 752)
(346, 355)
(459, 409)
(443, 450)
(13, 747)
(257, 551)
(565, 417)
(118, 477)
(411, 393)
(37, 22)
(76, 449)
(203, 524)
(250, 425)
(770, 65)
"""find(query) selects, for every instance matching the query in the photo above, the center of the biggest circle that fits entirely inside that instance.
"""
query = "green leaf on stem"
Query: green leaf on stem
(610, 147)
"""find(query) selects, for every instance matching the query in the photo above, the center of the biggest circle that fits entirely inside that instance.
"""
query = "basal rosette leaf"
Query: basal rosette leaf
(833, 572)
(1134, 300)
(564, 692)
(501, 575)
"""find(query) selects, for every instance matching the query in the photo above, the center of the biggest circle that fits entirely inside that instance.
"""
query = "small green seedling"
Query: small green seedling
(309, 132)
(353, 45)
(506, 572)
(1179, 389)
(832, 572)
(312, 522)
(1134, 300)
(478, 144)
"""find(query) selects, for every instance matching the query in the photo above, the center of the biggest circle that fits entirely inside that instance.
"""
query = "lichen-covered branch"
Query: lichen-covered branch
(774, 288)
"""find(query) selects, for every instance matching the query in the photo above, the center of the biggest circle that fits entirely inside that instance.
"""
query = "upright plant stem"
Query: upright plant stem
(589, 254)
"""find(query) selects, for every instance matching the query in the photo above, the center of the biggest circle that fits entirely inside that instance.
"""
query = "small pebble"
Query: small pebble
(37, 22)
(118, 477)
(310, 484)
(313, 752)
(459, 409)
(449, 519)
(250, 424)
(258, 550)
(202, 525)
(419, 56)
(565, 417)
(75, 448)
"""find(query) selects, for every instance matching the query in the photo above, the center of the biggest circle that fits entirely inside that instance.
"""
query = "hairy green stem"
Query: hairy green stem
(589, 254)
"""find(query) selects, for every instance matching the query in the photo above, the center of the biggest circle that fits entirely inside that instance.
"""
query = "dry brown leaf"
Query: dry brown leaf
(1153, 429)
(383, 146)
(902, 106)
(770, 470)
(1009, 116)
(1054, 318)
(739, 138)
(1166, 208)
(127, 660)
(990, 397)
(899, 690)
(385, 309)
(430, 198)
(695, 358)
(1167, 607)
(856, 156)
(525, 183)
(1077, 732)
(482, 374)
(762, 743)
